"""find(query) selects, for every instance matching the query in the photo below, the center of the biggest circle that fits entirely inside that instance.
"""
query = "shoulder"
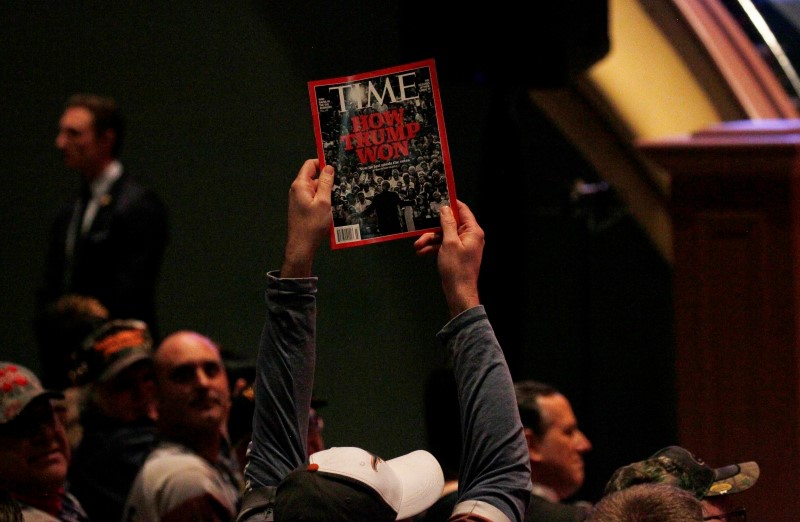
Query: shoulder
(173, 475)
(169, 460)
(128, 190)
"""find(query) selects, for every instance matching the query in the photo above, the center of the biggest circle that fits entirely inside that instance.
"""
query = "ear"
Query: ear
(108, 138)
(534, 445)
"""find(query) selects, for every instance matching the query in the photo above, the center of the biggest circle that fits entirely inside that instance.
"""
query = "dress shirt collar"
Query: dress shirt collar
(540, 490)
(102, 184)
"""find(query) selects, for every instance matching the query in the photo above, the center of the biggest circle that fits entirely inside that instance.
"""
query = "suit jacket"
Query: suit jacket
(119, 259)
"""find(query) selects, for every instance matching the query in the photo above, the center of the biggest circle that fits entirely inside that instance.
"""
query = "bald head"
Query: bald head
(193, 393)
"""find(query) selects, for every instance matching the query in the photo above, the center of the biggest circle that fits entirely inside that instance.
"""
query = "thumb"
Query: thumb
(448, 222)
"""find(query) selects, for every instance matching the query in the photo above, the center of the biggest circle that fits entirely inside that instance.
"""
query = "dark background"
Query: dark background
(219, 122)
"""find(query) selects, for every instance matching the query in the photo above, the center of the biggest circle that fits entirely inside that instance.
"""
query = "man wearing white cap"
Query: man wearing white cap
(351, 484)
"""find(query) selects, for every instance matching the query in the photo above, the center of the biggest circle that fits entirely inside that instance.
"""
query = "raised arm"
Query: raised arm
(494, 479)
(286, 356)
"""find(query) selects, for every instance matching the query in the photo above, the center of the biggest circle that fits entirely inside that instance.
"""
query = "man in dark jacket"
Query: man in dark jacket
(108, 242)
(556, 447)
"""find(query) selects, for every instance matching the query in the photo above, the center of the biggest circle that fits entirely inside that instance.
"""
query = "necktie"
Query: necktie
(74, 234)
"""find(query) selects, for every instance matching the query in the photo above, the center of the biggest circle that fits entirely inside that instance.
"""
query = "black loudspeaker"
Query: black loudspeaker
(541, 45)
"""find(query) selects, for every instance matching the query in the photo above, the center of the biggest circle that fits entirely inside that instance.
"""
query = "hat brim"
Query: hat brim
(422, 479)
(409, 484)
(126, 362)
(734, 478)
(44, 394)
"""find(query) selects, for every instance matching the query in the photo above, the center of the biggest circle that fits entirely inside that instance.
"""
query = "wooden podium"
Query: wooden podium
(735, 207)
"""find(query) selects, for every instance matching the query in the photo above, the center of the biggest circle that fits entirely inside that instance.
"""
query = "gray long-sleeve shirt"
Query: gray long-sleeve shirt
(495, 475)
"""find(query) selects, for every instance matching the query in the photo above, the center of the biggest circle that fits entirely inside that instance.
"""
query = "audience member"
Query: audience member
(190, 475)
(648, 503)
(118, 416)
(556, 447)
(347, 483)
(316, 424)
(34, 453)
(60, 328)
(109, 241)
(715, 487)
(241, 376)
(240, 421)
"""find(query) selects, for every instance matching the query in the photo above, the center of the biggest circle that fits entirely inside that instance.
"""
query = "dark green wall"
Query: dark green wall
(219, 122)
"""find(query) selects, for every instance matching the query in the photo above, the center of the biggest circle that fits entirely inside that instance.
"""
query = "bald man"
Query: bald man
(189, 476)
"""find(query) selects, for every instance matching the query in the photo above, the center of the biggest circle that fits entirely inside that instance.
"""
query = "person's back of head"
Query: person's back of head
(345, 484)
(61, 327)
(648, 503)
(677, 466)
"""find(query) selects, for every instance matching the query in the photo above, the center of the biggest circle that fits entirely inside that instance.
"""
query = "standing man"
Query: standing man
(108, 242)
(189, 475)
(386, 206)
(556, 447)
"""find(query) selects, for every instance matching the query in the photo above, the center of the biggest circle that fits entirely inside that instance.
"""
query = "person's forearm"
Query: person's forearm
(297, 260)
(461, 301)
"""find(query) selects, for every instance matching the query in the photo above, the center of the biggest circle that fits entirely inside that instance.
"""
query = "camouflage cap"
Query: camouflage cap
(18, 387)
(677, 466)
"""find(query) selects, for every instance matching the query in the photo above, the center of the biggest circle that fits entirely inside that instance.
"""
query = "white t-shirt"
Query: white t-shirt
(171, 475)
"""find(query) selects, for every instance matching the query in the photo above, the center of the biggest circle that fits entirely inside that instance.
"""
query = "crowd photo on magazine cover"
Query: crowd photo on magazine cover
(395, 195)
(420, 187)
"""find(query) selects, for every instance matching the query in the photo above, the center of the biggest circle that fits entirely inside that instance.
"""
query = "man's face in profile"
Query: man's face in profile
(80, 147)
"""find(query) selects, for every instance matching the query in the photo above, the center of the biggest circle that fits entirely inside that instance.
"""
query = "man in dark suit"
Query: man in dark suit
(556, 447)
(386, 205)
(109, 242)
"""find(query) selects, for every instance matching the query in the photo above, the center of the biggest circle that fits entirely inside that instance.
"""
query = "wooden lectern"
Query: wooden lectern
(735, 207)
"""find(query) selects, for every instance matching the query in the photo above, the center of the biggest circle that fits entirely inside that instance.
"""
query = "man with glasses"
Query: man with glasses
(675, 465)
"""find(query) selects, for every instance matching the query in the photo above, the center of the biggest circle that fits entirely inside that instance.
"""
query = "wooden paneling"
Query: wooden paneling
(736, 222)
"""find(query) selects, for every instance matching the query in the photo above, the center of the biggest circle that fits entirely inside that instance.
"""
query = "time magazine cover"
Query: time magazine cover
(383, 131)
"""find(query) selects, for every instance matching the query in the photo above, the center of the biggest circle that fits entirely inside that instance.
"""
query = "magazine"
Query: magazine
(383, 131)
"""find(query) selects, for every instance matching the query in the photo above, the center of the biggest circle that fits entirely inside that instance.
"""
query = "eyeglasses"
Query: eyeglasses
(737, 515)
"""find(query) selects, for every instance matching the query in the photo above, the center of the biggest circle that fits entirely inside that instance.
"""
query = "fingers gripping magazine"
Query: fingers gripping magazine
(383, 131)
